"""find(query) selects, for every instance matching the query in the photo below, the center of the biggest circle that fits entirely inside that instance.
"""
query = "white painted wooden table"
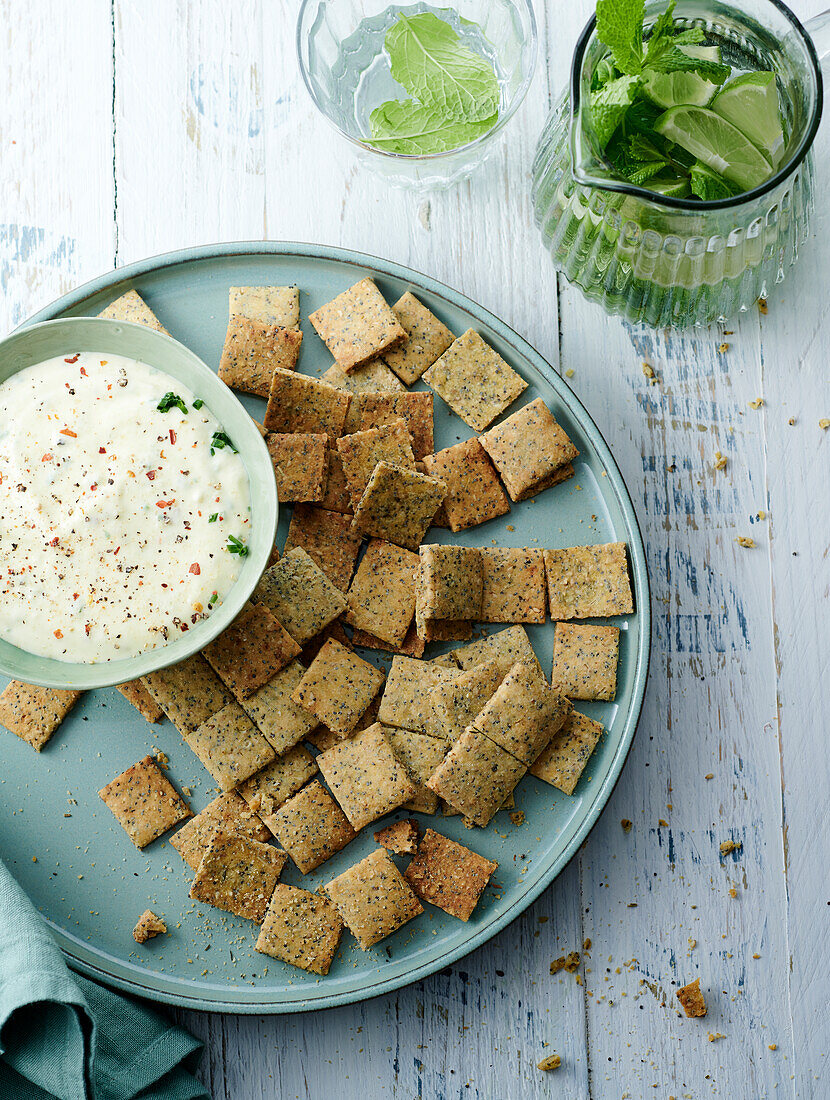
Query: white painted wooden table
(131, 127)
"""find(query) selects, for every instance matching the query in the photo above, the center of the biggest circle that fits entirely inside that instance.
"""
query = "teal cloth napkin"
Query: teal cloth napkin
(63, 1036)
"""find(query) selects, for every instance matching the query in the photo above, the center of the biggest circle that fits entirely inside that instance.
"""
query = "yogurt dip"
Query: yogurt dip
(124, 508)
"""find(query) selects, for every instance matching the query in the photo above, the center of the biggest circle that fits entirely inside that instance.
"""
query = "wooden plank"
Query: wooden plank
(56, 229)
(189, 124)
(795, 335)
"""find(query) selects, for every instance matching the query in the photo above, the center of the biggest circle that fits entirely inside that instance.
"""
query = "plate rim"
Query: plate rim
(223, 250)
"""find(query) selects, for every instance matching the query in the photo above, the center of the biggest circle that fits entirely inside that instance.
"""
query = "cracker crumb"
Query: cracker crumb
(648, 371)
(720, 461)
(709, 775)
(762, 306)
(691, 999)
(626, 825)
(757, 403)
(772, 1046)
(569, 962)
(662, 823)
(730, 846)
(824, 423)
(587, 944)
(791, 421)
(553, 1061)
(713, 1036)
(148, 926)
(518, 817)
(569, 373)
(761, 514)
(756, 955)
(733, 893)
(745, 541)
(723, 347)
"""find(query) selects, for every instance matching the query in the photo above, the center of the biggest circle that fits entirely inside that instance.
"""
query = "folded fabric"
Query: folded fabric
(66, 1037)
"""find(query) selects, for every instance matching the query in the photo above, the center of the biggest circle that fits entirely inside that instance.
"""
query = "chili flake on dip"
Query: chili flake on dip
(124, 508)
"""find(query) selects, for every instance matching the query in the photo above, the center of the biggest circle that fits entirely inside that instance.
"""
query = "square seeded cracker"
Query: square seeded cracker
(136, 693)
(297, 403)
(328, 539)
(529, 449)
(420, 754)
(371, 377)
(301, 929)
(476, 776)
(132, 307)
(508, 646)
(228, 812)
(514, 585)
(144, 801)
(299, 595)
(300, 465)
(280, 721)
(188, 692)
(34, 713)
(253, 649)
(323, 738)
(411, 646)
(382, 596)
(426, 339)
(398, 505)
(274, 305)
(357, 325)
(366, 777)
(336, 497)
(274, 784)
(450, 582)
(372, 410)
(312, 827)
(252, 350)
(474, 380)
(230, 746)
(441, 630)
(338, 687)
(405, 703)
(456, 702)
(238, 874)
(588, 581)
(362, 451)
(474, 493)
(585, 660)
(563, 761)
(523, 713)
(449, 875)
(373, 898)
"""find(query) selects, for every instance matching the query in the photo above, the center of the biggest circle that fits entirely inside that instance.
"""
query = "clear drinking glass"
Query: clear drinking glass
(343, 64)
(670, 261)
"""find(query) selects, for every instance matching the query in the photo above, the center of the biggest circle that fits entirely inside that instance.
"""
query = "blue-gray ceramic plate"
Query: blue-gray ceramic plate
(91, 884)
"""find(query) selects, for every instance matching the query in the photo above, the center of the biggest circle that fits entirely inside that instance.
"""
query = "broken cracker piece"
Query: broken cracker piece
(148, 926)
(401, 837)
(692, 999)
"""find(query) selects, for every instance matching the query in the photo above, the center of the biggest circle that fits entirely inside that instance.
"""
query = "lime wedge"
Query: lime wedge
(750, 102)
(703, 53)
(670, 89)
(716, 142)
(674, 187)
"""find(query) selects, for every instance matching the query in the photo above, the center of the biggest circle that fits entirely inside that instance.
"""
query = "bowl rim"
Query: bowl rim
(87, 676)
(530, 48)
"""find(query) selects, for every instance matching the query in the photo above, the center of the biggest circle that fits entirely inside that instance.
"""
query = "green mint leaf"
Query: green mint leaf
(604, 72)
(609, 105)
(221, 440)
(620, 27)
(692, 37)
(644, 172)
(429, 59)
(171, 401)
(404, 126)
(708, 185)
(641, 149)
(236, 546)
(662, 28)
(635, 158)
(673, 60)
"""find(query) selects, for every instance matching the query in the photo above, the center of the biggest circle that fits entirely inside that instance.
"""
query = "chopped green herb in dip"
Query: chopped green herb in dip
(115, 521)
